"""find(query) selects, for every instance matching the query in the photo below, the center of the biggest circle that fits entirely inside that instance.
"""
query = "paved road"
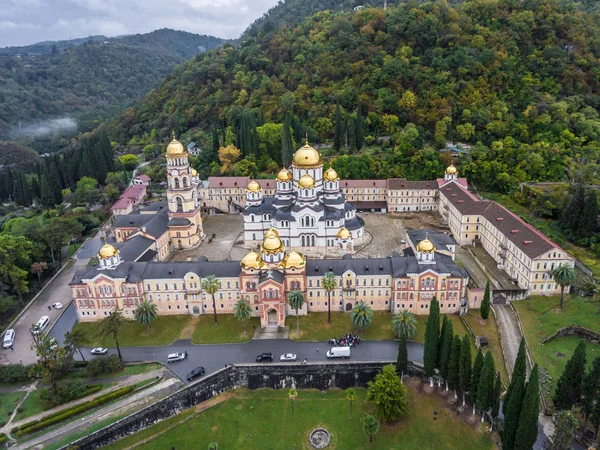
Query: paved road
(510, 334)
(57, 291)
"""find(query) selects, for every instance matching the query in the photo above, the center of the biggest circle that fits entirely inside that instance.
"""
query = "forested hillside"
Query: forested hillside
(92, 80)
(519, 78)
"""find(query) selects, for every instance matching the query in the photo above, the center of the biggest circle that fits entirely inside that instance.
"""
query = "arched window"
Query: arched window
(176, 183)
(313, 241)
(179, 201)
(185, 182)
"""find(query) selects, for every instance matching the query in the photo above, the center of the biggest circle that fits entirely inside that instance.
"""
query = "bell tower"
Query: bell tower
(185, 220)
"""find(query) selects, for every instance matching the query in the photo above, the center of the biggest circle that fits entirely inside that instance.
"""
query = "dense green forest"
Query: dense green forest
(90, 81)
(518, 80)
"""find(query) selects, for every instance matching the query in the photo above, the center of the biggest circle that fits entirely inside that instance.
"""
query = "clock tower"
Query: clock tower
(185, 220)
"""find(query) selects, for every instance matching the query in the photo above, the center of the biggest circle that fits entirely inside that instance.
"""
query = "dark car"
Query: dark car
(197, 372)
(268, 357)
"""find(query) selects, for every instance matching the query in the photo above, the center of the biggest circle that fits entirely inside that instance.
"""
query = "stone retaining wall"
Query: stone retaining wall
(251, 376)
(575, 330)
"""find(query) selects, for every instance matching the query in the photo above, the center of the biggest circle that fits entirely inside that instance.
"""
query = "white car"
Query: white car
(57, 305)
(99, 351)
(173, 357)
(288, 357)
(9, 338)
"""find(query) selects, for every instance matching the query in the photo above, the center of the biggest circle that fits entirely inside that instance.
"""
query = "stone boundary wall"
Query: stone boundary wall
(252, 376)
(575, 330)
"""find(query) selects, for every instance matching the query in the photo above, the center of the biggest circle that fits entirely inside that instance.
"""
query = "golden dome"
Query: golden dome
(306, 181)
(271, 242)
(330, 175)
(425, 246)
(284, 175)
(194, 173)
(307, 157)
(253, 186)
(344, 233)
(252, 260)
(107, 251)
(294, 259)
(175, 148)
(451, 170)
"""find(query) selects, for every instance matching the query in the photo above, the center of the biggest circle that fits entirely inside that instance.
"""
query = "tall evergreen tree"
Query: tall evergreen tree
(402, 360)
(568, 388)
(286, 143)
(590, 390)
(565, 426)
(215, 144)
(530, 410)
(465, 366)
(484, 309)
(588, 221)
(511, 416)
(519, 375)
(359, 128)
(571, 214)
(485, 388)
(432, 337)
(475, 375)
(453, 365)
(445, 351)
(441, 341)
(46, 194)
(496, 396)
(337, 131)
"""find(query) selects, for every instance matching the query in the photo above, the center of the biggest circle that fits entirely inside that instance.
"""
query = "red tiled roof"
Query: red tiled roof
(143, 177)
(122, 203)
(403, 183)
(228, 182)
(362, 183)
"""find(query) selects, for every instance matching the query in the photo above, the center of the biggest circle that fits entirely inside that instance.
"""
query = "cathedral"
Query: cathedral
(308, 209)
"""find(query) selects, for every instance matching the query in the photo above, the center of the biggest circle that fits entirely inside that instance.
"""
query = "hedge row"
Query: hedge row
(66, 413)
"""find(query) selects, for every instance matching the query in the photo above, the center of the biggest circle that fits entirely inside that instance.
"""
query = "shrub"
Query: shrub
(104, 364)
(66, 391)
(3, 438)
(12, 373)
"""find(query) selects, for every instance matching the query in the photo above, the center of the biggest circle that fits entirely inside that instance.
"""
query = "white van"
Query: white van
(339, 352)
(41, 325)
(9, 338)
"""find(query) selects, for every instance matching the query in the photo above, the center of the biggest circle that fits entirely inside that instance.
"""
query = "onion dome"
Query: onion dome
(107, 251)
(306, 181)
(294, 259)
(284, 175)
(451, 170)
(253, 186)
(425, 246)
(194, 173)
(175, 148)
(271, 242)
(330, 175)
(252, 260)
(344, 233)
(307, 157)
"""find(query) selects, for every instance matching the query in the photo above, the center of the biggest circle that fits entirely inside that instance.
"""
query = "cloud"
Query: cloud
(46, 127)
(64, 19)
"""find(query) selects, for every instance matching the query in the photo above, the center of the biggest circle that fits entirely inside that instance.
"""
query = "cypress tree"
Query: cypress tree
(215, 144)
(590, 390)
(432, 337)
(484, 309)
(568, 388)
(337, 131)
(35, 187)
(286, 143)
(565, 426)
(496, 396)
(446, 348)
(476, 374)
(402, 361)
(441, 341)
(571, 214)
(588, 221)
(519, 375)
(464, 368)
(453, 364)
(485, 388)
(100, 169)
(530, 410)
(511, 417)
(46, 195)
(359, 128)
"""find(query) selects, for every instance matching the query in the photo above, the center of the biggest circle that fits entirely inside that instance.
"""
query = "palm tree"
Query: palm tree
(76, 339)
(110, 327)
(350, 396)
(565, 276)
(296, 301)
(242, 311)
(329, 284)
(211, 285)
(404, 325)
(145, 313)
(361, 316)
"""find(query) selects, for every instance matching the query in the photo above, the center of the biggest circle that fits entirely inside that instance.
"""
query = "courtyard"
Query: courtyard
(264, 419)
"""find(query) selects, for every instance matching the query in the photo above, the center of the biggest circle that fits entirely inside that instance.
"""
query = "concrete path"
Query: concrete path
(509, 334)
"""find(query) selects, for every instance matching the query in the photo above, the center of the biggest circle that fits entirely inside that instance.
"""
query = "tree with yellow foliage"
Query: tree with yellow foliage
(228, 156)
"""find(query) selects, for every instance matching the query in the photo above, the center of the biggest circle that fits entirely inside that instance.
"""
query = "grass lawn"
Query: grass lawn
(489, 329)
(31, 406)
(8, 403)
(163, 331)
(263, 419)
(134, 369)
(229, 330)
(314, 327)
(541, 317)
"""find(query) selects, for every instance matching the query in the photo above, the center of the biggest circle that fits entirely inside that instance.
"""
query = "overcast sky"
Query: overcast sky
(24, 22)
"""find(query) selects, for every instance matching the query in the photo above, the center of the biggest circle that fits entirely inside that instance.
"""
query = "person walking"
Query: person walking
(317, 349)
